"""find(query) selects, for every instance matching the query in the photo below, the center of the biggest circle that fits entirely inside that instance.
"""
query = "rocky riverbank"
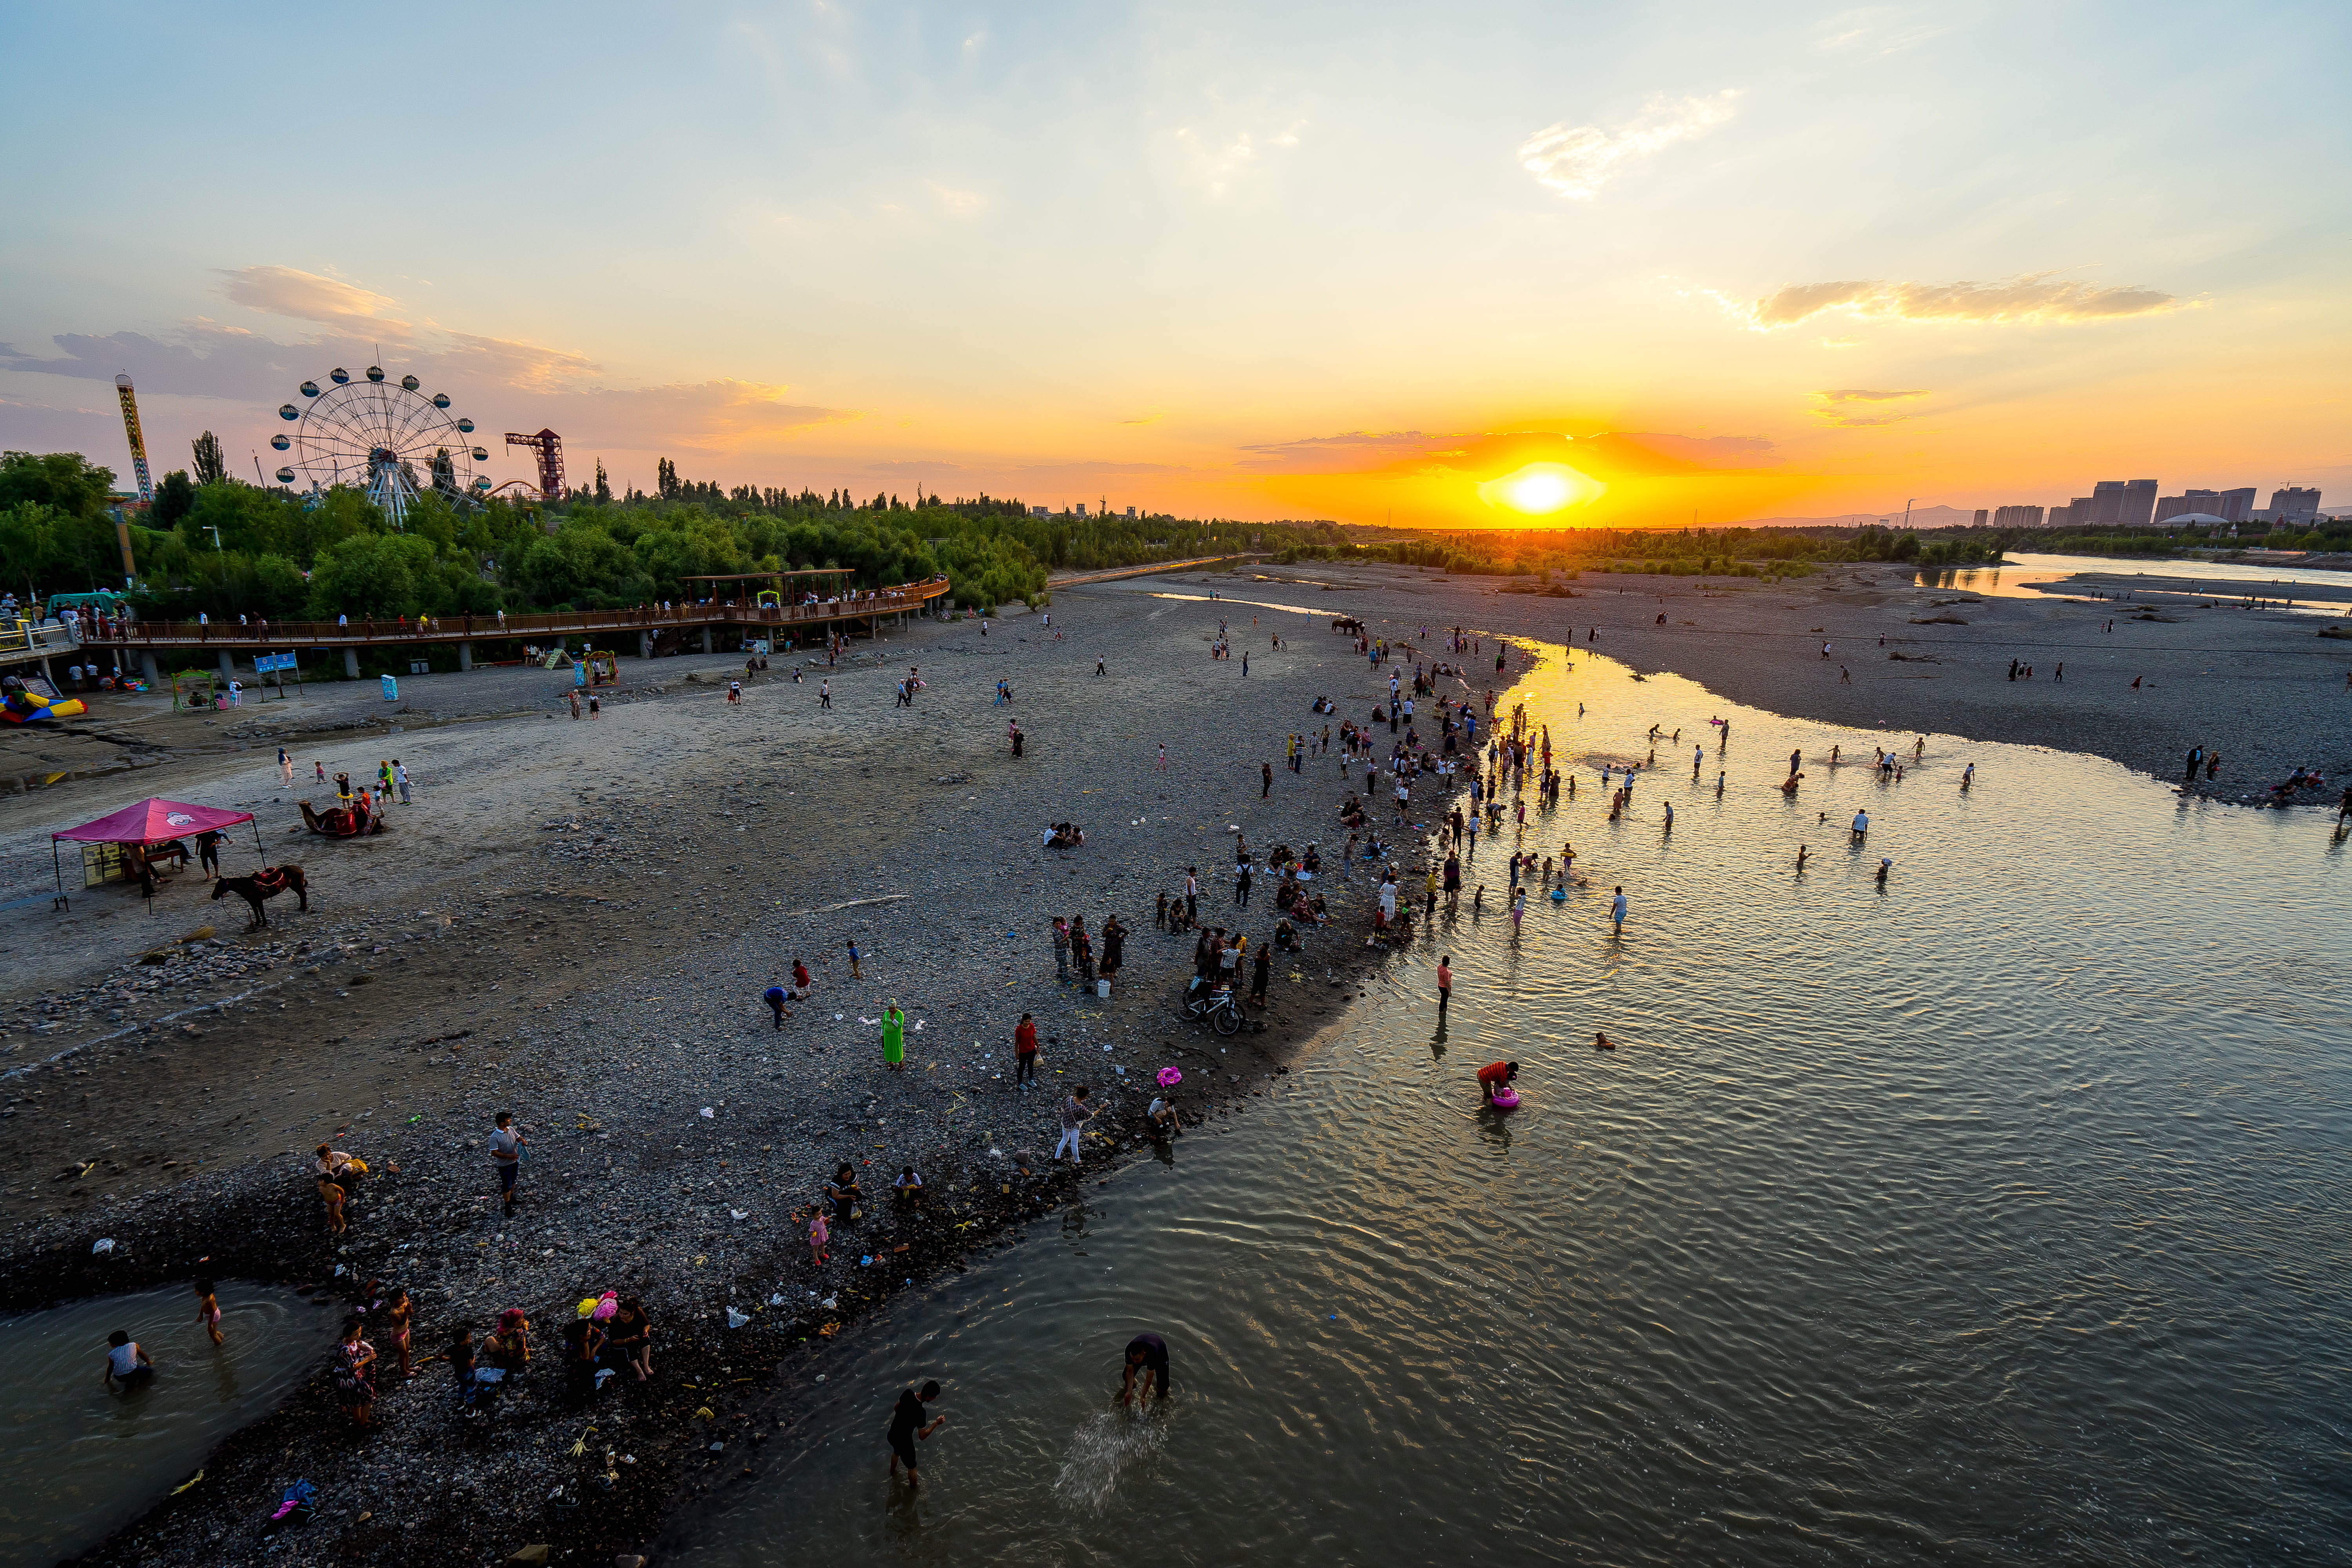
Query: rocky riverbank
(576, 922)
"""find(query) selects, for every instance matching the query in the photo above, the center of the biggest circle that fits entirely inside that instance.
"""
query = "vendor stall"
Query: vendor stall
(124, 843)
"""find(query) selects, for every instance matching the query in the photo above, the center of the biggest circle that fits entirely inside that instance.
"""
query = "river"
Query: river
(1994, 1218)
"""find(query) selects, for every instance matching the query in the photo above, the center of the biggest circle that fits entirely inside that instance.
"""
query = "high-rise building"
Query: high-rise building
(1082, 508)
(2291, 504)
(1040, 511)
(1981, 518)
(2018, 517)
(2230, 506)
(2075, 514)
(2121, 503)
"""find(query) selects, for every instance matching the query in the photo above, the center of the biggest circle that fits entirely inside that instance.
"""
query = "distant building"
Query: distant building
(2230, 506)
(2075, 514)
(1082, 508)
(1981, 518)
(1130, 514)
(2119, 503)
(2291, 504)
(1040, 511)
(2017, 517)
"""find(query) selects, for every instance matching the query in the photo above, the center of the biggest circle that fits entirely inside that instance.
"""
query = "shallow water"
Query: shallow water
(1995, 1219)
(77, 1461)
(2025, 575)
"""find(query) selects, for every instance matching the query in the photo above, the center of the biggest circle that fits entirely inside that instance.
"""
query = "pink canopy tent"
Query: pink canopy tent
(152, 821)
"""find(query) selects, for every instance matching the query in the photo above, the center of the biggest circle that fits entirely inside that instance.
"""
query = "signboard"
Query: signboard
(263, 663)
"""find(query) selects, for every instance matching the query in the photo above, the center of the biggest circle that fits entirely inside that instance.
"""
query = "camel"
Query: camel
(266, 883)
(353, 821)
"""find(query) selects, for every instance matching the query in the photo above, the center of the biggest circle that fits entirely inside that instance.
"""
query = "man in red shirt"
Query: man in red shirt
(1025, 1053)
(1494, 1075)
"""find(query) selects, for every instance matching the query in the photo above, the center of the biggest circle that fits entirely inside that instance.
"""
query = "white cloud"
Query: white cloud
(955, 202)
(1838, 406)
(306, 296)
(1577, 161)
(1218, 162)
(2032, 296)
(1880, 29)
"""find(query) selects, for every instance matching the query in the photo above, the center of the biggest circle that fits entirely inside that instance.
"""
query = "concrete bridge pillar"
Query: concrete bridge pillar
(644, 645)
(351, 663)
(705, 639)
(149, 667)
(465, 655)
(227, 668)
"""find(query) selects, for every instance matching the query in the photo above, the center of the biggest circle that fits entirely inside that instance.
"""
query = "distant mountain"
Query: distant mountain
(1921, 516)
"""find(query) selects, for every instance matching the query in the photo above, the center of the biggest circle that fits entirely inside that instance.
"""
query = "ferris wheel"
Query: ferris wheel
(384, 438)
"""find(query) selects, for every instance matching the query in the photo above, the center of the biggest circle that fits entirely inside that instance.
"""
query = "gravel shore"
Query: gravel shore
(576, 922)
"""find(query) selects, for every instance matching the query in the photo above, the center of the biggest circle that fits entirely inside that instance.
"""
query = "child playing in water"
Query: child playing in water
(208, 1309)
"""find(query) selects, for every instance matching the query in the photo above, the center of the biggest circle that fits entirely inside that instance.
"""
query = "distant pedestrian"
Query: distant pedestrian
(1617, 912)
(1024, 1052)
(400, 775)
(817, 1236)
(1261, 974)
(1445, 983)
(354, 1375)
(1242, 879)
(1075, 1115)
(1148, 1354)
(285, 766)
(774, 997)
(906, 1425)
(894, 1038)
(1885, 865)
(1265, 779)
(854, 972)
(506, 1154)
(1861, 825)
(1061, 950)
(208, 1310)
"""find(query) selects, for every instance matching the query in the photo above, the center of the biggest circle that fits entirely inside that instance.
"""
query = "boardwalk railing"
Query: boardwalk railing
(905, 599)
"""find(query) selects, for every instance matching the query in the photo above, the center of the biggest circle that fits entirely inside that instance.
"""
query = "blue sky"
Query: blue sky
(1061, 250)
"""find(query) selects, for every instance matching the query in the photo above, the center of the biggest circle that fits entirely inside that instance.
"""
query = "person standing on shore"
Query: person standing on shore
(907, 1420)
(1241, 878)
(1266, 780)
(1061, 950)
(894, 1038)
(285, 766)
(1024, 1052)
(506, 1154)
(1075, 1115)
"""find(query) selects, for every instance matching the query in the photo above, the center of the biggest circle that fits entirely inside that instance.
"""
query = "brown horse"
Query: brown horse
(266, 883)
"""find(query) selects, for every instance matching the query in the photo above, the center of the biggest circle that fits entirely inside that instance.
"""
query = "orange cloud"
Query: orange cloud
(2032, 296)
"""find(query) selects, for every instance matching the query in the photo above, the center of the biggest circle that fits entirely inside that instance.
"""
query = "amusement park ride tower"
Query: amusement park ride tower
(139, 466)
(548, 446)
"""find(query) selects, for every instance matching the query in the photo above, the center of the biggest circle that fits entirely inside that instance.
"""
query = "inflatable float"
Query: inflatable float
(1506, 1099)
(20, 704)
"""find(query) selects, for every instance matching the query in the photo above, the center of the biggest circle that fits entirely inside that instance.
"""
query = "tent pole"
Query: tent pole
(57, 868)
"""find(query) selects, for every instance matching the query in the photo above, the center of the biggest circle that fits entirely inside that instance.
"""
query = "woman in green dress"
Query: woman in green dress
(894, 1036)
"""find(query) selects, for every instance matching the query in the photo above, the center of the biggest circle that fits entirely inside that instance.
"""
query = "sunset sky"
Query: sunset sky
(1445, 265)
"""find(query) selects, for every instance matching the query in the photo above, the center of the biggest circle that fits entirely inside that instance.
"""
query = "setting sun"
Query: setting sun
(1541, 488)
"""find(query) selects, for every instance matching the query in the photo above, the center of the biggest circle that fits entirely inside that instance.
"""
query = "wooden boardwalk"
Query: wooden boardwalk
(851, 614)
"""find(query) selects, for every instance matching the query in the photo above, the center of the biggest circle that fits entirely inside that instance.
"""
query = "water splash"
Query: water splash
(1104, 1451)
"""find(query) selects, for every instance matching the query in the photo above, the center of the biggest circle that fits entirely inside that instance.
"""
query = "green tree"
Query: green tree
(66, 480)
(175, 498)
(211, 468)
